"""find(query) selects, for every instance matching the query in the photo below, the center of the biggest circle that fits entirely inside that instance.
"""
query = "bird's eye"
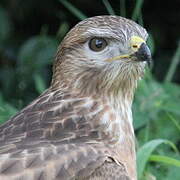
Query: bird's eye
(97, 44)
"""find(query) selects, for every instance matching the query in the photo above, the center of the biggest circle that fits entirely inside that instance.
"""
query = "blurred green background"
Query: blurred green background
(30, 32)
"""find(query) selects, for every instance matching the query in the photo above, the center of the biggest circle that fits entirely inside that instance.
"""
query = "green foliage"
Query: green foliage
(73, 9)
(174, 64)
(123, 8)
(156, 115)
(36, 53)
(108, 7)
(156, 109)
(165, 159)
(6, 110)
(144, 154)
(39, 83)
(137, 10)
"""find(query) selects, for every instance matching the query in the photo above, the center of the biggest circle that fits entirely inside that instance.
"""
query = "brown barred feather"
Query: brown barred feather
(81, 127)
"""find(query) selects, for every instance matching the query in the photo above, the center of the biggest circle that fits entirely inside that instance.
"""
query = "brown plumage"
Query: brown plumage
(81, 127)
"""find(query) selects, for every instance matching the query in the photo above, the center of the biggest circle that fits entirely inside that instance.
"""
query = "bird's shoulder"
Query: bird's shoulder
(54, 137)
(55, 116)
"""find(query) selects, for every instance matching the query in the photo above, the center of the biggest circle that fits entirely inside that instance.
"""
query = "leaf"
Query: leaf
(37, 52)
(151, 43)
(165, 159)
(123, 8)
(137, 9)
(6, 110)
(175, 122)
(171, 106)
(108, 7)
(39, 83)
(173, 65)
(145, 152)
(73, 9)
(63, 29)
(149, 176)
(173, 174)
(172, 88)
(150, 96)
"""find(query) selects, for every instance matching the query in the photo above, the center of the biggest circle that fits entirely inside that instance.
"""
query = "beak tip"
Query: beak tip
(144, 53)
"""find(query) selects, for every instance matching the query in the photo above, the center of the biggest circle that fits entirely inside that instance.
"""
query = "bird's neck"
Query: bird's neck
(112, 92)
(116, 120)
(113, 82)
(118, 132)
(112, 87)
(110, 117)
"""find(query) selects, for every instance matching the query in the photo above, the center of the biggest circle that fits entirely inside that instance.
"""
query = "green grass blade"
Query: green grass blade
(151, 43)
(174, 121)
(108, 7)
(145, 152)
(173, 66)
(146, 134)
(165, 159)
(39, 83)
(73, 9)
(63, 29)
(140, 19)
(137, 9)
(123, 8)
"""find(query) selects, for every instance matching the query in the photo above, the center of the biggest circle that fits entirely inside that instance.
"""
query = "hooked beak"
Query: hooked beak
(143, 54)
(140, 52)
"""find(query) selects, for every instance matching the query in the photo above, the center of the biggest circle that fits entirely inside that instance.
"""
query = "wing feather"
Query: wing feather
(52, 138)
(51, 162)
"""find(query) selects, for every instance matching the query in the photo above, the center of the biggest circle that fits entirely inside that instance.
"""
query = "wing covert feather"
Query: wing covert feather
(51, 139)
(51, 162)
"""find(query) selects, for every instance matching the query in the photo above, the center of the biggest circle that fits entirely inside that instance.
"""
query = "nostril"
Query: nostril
(135, 46)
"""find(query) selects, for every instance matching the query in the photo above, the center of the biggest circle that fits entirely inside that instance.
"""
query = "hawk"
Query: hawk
(80, 128)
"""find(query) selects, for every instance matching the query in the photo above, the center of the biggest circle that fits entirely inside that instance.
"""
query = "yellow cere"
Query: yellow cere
(136, 39)
(135, 43)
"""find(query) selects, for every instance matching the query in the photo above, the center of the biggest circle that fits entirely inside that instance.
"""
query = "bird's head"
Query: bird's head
(103, 53)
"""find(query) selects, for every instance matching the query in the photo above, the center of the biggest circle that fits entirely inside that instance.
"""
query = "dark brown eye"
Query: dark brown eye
(97, 44)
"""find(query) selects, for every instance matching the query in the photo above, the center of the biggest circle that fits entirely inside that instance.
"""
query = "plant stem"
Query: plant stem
(137, 9)
(123, 8)
(108, 7)
(173, 65)
(73, 9)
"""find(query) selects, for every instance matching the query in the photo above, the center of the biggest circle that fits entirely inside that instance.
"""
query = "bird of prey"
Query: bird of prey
(80, 128)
